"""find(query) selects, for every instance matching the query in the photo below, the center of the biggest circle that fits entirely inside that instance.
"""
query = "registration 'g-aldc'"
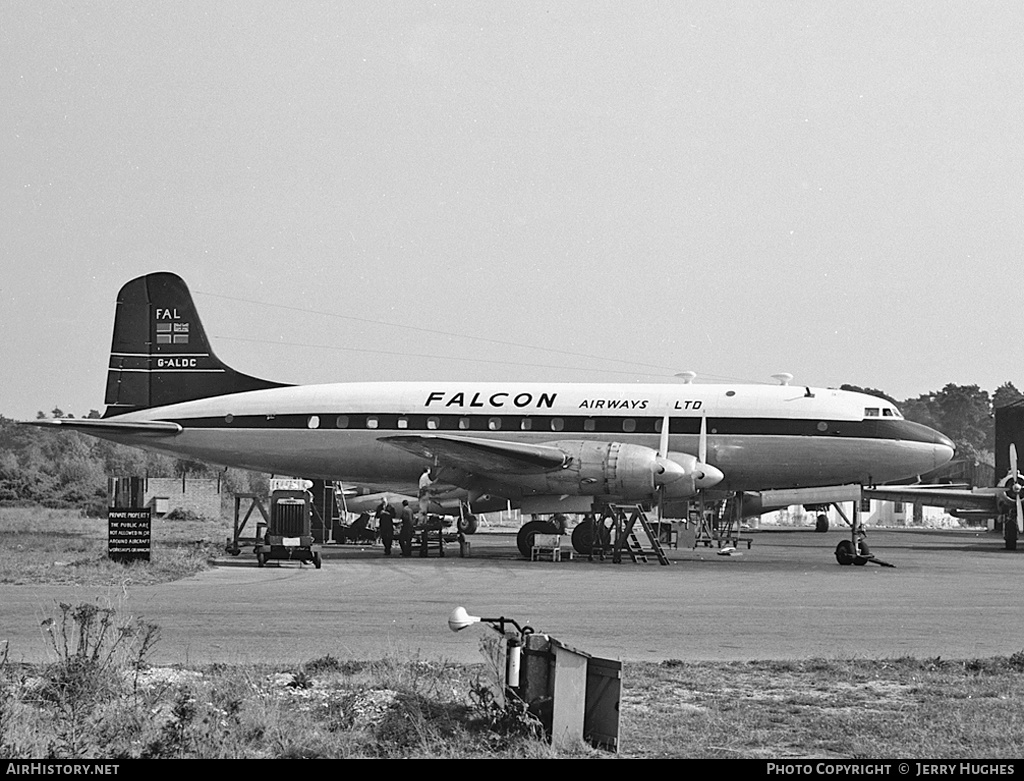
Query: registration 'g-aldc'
(544, 447)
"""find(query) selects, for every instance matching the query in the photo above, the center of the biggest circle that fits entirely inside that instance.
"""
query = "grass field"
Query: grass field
(63, 547)
(99, 697)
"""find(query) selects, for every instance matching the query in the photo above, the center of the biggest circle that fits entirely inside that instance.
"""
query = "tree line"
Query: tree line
(71, 469)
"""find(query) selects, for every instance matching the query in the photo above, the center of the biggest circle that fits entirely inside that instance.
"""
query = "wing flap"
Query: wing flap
(937, 497)
(481, 455)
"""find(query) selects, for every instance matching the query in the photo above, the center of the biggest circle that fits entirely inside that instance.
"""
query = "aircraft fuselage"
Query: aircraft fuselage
(760, 437)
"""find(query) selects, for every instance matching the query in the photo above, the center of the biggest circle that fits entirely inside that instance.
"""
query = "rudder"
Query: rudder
(160, 354)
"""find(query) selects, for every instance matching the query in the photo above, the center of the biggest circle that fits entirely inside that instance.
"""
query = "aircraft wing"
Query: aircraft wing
(481, 455)
(961, 499)
(99, 425)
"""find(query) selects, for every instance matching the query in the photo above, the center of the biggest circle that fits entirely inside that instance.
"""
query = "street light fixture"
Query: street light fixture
(460, 619)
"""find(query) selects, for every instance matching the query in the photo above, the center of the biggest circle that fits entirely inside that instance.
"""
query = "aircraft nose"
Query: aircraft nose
(931, 444)
(943, 447)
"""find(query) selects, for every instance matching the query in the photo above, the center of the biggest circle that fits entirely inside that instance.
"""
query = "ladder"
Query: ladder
(722, 527)
(624, 522)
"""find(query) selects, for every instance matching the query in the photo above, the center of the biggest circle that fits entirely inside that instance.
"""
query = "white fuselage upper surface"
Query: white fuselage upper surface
(759, 436)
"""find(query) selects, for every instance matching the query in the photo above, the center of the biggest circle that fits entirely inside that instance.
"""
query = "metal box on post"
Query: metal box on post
(575, 695)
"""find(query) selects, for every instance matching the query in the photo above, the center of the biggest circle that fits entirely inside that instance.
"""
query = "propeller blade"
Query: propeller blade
(663, 442)
(702, 445)
(1020, 516)
(1013, 461)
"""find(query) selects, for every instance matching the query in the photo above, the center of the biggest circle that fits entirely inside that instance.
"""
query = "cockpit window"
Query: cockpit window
(886, 412)
(871, 412)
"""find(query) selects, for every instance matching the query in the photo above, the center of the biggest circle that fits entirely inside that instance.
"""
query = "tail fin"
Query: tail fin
(160, 354)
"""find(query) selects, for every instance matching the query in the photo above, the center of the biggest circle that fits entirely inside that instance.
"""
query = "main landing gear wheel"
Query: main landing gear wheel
(524, 540)
(845, 554)
(468, 523)
(583, 537)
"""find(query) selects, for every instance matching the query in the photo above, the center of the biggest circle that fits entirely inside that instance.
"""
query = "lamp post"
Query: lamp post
(460, 619)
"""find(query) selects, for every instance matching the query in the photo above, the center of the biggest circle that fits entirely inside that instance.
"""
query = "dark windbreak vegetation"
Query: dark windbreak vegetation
(66, 469)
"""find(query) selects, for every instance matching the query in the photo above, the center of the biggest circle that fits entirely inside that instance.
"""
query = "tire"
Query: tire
(821, 524)
(524, 540)
(844, 553)
(1010, 533)
(583, 538)
(468, 524)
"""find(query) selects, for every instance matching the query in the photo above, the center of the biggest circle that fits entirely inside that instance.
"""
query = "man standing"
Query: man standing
(385, 525)
(405, 533)
(425, 483)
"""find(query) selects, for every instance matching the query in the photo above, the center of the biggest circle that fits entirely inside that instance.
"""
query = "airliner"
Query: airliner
(544, 447)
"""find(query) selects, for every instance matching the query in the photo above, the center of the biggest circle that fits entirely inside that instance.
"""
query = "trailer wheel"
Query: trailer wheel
(524, 540)
(844, 553)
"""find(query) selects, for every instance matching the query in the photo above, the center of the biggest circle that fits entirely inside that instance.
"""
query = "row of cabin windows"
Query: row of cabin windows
(493, 424)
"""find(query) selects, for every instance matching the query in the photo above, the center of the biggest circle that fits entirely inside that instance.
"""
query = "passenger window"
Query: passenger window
(341, 421)
(494, 424)
(313, 422)
(589, 424)
(403, 422)
(463, 423)
(557, 424)
(371, 422)
(657, 426)
(433, 423)
(526, 424)
(629, 425)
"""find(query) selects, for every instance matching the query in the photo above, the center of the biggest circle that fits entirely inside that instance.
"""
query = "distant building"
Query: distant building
(872, 513)
(197, 495)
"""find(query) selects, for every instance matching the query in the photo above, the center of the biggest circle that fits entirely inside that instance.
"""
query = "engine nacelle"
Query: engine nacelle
(602, 469)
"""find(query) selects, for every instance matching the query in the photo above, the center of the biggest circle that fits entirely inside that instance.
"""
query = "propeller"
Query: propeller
(704, 475)
(1014, 486)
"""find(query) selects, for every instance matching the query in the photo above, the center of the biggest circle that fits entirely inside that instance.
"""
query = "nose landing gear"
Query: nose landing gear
(855, 550)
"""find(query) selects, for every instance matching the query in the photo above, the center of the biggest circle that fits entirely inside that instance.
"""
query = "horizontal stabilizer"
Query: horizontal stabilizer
(481, 455)
(95, 426)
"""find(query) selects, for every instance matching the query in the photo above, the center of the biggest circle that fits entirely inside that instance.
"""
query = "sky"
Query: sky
(530, 191)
